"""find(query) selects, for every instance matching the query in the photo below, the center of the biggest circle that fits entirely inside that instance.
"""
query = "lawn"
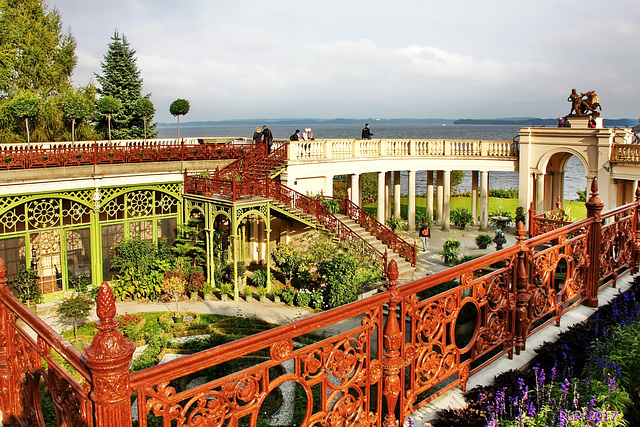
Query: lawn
(576, 209)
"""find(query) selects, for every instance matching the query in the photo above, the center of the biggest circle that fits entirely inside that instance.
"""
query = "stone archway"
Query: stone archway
(553, 166)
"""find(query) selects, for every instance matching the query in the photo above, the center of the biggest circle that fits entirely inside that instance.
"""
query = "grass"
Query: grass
(577, 209)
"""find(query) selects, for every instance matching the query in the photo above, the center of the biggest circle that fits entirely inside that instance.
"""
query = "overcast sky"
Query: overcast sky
(241, 59)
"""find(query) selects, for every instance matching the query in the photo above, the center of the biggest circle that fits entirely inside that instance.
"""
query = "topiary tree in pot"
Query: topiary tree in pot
(108, 105)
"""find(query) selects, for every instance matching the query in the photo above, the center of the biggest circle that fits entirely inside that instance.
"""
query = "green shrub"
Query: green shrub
(521, 215)
(226, 288)
(483, 241)
(288, 259)
(248, 291)
(288, 294)
(395, 222)
(25, 283)
(316, 298)
(261, 291)
(461, 217)
(79, 284)
(332, 205)
(421, 217)
(259, 278)
(450, 251)
(303, 298)
(74, 309)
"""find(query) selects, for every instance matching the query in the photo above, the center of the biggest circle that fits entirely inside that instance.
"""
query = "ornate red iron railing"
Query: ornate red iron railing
(433, 338)
(99, 153)
(396, 243)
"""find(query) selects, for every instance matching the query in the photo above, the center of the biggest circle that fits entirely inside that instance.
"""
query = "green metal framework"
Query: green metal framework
(62, 234)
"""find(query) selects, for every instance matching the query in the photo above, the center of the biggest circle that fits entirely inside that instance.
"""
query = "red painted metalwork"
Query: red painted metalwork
(377, 370)
(396, 243)
(97, 154)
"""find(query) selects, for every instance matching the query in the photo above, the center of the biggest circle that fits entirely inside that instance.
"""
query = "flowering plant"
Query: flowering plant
(129, 325)
(303, 297)
(288, 294)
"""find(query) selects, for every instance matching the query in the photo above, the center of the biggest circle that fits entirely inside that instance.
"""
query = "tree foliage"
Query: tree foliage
(178, 108)
(121, 80)
(74, 309)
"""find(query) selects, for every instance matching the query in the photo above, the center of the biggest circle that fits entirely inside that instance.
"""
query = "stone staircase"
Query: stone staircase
(404, 266)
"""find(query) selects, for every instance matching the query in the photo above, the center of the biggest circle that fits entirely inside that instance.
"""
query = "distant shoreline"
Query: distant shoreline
(511, 121)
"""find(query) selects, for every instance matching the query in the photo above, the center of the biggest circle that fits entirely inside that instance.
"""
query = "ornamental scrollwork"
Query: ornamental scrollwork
(281, 350)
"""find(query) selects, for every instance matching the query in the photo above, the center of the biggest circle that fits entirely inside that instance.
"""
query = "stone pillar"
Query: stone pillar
(396, 193)
(355, 188)
(381, 201)
(387, 195)
(446, 208)
(108, 358)
(439, 196)
(255, 250)
(540, 193)
(328, 186)
(474, 196)
(594, 209)
(411, 203)
(484, 200)
(430, 193)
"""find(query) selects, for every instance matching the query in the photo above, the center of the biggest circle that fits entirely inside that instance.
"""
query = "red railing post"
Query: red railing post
(636, 224)
(594, 210)
(95, 153)
(108, 358)
(392, 362)
(521, 292)
(346, 205)
(8, 397)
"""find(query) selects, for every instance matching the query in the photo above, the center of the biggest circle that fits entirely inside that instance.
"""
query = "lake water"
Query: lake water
(574, 177)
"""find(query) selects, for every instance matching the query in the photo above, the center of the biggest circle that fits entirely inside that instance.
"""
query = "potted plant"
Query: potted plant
(262, 293)
(461, 217)
(276, 290)
(225, 289)
(248, 293)
(450, 251)
(483, 241)
(208, 291)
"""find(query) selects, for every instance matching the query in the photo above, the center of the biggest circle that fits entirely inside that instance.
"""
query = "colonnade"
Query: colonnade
(389, 193)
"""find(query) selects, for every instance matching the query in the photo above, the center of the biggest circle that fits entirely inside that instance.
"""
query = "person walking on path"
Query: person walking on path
(267, 137)
(425, 233)
(257, 135)
(366, 132)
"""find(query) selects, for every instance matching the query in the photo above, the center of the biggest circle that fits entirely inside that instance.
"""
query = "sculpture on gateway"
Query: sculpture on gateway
(584, 104)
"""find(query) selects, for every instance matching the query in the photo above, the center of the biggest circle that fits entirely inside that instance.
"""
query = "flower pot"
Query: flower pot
(208, 296)
(224, 297)
(194, 296)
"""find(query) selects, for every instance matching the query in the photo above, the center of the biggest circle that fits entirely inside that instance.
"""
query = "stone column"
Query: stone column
(430, 193)
(396, 193)
(474, 196)
(439, 196)
(540, 193)
(446, 208)
(108, 358)
(484, 200)
(328, 186)
(355, 188)
(381, 201)
(411, 203)
(387, 194)
(255, 251)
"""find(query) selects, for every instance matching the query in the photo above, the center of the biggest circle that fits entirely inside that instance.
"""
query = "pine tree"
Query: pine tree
(121, 80)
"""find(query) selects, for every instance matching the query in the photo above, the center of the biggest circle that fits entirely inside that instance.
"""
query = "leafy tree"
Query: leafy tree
(74, 309)
(456, 178)
(75, 106)
(25, 106)
(178, 108)
(34, 53)
(26, 285)
(108, 105)
(121, 80)
(144, 108)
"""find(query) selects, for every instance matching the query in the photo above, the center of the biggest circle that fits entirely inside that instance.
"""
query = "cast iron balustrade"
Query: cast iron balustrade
(377, 370)
(99, 153)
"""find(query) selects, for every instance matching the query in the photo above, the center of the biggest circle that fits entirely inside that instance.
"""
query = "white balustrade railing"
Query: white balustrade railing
(357, 148)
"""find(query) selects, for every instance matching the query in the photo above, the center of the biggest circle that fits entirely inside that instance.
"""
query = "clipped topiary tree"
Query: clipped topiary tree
(25, 106)
(144, 108)
(109, 105)
(178, 108)
(74, 107)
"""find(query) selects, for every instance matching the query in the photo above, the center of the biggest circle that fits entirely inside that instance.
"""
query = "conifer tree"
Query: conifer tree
(121, 80)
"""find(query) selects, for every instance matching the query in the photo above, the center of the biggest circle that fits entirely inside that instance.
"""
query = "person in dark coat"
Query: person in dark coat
(257, 135)
(425, 233)
(267, 137)
(366, 132)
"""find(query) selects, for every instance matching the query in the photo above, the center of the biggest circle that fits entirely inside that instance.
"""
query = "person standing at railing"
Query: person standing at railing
(425, 233)
(257, 135)
(267, 137)
(366, 132)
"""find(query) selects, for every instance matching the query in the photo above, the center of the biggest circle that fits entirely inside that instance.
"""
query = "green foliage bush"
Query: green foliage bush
(259, 278)
(421, 217)
(521, 215)
(461, 217)
(483, 241)
(450, 251)
(25, 284)
(394, 222)
(287, 259)
(74, 309)
(499, 193)
(288, 294)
